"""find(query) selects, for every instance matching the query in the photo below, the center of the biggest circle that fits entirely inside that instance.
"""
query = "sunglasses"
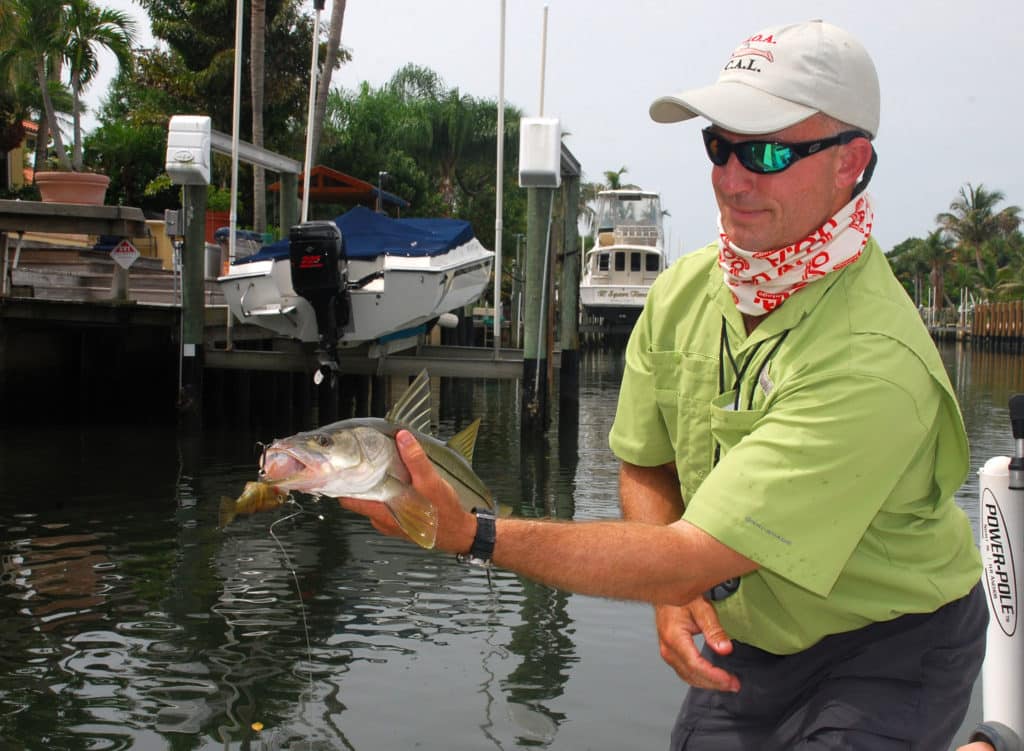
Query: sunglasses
(769, 157)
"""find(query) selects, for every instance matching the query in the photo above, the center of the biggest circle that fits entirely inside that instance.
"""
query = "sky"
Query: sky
(949, 74)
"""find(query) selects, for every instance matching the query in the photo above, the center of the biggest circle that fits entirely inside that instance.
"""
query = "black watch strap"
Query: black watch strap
(482, 550)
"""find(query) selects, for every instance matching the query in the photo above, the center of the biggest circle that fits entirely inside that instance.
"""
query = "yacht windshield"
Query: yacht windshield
(629, 215)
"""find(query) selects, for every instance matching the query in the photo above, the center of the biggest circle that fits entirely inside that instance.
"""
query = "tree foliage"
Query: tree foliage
(976, 249)
(437, 146)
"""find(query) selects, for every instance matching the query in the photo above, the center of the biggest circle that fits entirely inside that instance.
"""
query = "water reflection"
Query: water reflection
(127, 619)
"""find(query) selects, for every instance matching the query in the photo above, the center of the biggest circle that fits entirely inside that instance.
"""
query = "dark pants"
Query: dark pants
(902, 684)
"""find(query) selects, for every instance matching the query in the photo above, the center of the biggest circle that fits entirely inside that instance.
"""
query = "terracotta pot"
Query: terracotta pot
(72, 187)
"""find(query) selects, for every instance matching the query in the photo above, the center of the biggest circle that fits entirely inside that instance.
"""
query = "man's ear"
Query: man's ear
(854, 159)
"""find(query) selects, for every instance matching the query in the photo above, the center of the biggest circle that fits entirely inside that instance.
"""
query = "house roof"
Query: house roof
(328, 185)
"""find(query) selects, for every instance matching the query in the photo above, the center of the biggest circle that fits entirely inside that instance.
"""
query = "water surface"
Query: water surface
(129, 620)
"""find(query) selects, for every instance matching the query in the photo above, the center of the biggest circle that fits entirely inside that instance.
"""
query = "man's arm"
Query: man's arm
(650, 494)
(617, 559)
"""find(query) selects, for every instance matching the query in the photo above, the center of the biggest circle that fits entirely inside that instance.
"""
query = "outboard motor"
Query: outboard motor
(320, 274)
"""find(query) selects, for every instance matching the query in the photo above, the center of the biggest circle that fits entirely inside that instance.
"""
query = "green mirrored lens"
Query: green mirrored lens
(768, 157)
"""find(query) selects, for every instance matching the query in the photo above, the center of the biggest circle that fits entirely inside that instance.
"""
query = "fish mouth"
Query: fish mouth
(278, 464)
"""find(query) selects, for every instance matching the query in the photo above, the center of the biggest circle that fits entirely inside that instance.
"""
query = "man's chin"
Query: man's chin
(747, 229)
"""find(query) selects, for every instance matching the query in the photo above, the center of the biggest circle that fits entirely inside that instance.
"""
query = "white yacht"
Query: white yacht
(628, 254)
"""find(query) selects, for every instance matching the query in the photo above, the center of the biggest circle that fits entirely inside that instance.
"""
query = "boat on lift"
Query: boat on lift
(627, 255)
(362, 277)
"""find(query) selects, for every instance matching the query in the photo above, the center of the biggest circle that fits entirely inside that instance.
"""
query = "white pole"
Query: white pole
(499, 183)
(236, 110)
(543, 58)
(308, 164)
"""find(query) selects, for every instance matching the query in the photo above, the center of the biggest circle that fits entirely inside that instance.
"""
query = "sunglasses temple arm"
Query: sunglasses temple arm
(868, 171)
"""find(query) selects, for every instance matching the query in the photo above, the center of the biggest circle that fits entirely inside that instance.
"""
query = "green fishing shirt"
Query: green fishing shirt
(839, 449)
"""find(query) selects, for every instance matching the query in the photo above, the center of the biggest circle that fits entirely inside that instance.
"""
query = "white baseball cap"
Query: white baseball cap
(780, 76)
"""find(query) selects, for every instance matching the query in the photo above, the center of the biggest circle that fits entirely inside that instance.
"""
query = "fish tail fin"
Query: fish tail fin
(464, 442)
(416, 516)
(227, 512)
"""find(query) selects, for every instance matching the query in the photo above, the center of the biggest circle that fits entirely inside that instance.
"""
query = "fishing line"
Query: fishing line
(298, 588)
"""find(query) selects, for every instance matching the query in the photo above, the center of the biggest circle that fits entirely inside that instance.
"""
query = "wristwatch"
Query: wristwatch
(482, 550)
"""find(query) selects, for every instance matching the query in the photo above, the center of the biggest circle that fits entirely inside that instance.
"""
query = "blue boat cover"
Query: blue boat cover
(367, 234)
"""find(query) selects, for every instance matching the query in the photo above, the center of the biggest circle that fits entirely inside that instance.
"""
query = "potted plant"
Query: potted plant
(46, 37)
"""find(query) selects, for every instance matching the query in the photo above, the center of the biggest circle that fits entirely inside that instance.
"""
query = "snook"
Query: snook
(357, 458)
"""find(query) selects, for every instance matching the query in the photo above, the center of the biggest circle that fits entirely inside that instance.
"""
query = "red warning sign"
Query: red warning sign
(124, 254)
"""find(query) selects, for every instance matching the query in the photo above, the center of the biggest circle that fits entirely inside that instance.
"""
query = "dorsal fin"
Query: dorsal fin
(412, 410)
(464, 442)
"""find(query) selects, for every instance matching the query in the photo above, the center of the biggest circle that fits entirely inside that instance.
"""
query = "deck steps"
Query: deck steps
(87, 275)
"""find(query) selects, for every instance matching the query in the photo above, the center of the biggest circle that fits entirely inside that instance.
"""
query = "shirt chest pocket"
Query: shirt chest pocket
(729, 425)
(684, 385)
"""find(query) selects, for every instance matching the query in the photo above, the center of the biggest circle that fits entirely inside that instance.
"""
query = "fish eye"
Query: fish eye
(323, 439)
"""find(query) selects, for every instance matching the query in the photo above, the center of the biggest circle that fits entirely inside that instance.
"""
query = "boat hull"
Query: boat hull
(613, 303)
(386, 295)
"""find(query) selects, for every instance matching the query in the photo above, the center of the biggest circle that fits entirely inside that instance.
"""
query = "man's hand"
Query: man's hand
(677, 626)
(455, 526)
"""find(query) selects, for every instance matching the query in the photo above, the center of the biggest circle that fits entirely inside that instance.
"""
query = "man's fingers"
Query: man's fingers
(413, 456)
(707, 621)
(676, 629)
(378, 514)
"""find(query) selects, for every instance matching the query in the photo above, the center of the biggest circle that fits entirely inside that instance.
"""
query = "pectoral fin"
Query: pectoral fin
(416, 516)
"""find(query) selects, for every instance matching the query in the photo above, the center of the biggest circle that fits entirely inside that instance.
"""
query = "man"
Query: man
(790, 443)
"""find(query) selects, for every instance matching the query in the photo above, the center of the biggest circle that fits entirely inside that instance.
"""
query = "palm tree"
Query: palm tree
(441, 126)
(972, 220)
(89, 28)
(16, 91)
(613, 179)
(452, 120)
(331, 60)
(935, 250)
(910, 267)
(1011, 273)
(37, 37)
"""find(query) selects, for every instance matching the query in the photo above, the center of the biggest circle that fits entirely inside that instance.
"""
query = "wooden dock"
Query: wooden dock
(999, 325)
(1001, 321)
(82, 339)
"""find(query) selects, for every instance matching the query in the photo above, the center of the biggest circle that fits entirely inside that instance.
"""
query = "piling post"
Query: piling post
(192, 304)
(535, 410)
(288, 202)
(569, 293)
(119, 284)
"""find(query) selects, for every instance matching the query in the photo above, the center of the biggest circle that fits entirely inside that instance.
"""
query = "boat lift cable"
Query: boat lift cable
(542, 318)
